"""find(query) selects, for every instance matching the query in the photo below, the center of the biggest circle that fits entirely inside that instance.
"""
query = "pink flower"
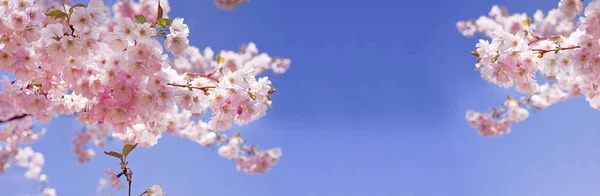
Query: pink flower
(49, 192)
(229, 4)
(114, 180)
(72, 46)
(515, 112)
(19, 20)
(98, 11)
(126, 29)
(176, 44)
(486, 125)
(80, 19)
(261, 162)
(111, 71)
(570, 8)
(230, 151)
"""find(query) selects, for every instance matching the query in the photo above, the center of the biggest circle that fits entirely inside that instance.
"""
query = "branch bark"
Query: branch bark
(15, 118)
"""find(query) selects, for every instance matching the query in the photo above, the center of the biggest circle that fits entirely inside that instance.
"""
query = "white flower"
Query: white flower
(155, 190)
(178, 28)
(176, 44)
(229, 151)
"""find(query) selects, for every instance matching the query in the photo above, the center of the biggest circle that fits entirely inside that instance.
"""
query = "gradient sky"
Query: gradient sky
(373, 105)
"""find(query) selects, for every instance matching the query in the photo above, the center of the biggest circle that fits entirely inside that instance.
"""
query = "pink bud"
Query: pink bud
(240, 110)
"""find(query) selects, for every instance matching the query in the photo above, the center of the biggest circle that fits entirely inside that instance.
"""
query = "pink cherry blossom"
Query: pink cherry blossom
(570, 7)
(229, 4)
(564, 52)
(114, 180)
(116, 77)
(49, 192)
(260, 163)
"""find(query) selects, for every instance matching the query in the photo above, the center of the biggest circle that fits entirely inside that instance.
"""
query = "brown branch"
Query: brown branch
(543, 38)
(190, 86)
(197, 75)
(15, 118)
(127, 177)
(557, 49)
(129, 187)
(544, 51)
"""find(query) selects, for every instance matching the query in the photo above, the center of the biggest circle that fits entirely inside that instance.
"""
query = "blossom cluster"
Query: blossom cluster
(258, 161)
(565, 52)
(112, 72)
(96, 135)
(499, 20)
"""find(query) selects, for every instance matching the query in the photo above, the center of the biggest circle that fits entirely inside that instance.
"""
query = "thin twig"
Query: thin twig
(15, 118)
(543, 38)
(129, 186)
(557, 49)
(197, 75)
(193, 87)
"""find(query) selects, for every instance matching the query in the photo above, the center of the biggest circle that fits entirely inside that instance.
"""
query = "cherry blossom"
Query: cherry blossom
(49, 192)
(155, 190)
(108, 67)
(564, 49)
(114, 179)
(570, 8)
(229, 4)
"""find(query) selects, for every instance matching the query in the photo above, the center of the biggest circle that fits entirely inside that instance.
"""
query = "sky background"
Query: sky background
(373, 105)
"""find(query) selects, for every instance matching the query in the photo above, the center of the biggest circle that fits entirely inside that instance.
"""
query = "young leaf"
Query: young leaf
(219, 59)
(163, 22)
(128, 148)
(57, 14)
(475, 53)
(74, 6)
(54, 13)
(252, 95)
(269, 102)
(495, 58)
(114, 154)
(526, 22)
(238, 135)
(160, 11)
(141, 19)
(272, 90)
(478, 64)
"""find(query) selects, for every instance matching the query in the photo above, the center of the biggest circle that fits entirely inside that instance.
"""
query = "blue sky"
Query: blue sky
(373, 105)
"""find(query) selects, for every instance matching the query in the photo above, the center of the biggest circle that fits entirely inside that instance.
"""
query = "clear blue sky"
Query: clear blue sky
(373, 105)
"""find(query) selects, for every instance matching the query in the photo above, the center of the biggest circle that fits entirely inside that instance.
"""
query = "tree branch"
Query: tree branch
(129, 181)
(543, 38)
(197, 75)
(190, 86)
(15, 118)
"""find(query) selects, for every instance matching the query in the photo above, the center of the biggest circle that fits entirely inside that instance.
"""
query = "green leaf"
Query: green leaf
(74, 6)
(114, 154)
(54, 13)
(163, 22)
(128, 148)
(57, 14)
(160, 11)
(141, 19)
